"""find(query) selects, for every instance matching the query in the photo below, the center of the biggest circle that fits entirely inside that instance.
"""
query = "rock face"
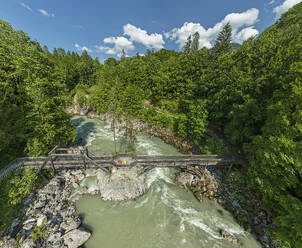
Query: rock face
(123, 184)
(199, 180)
(76, 238)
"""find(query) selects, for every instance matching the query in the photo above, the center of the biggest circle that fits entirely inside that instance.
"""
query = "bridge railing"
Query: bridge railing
(74, 158)
(19, 163)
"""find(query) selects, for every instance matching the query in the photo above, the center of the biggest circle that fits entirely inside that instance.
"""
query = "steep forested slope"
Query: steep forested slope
(257, 107)
(34, 95)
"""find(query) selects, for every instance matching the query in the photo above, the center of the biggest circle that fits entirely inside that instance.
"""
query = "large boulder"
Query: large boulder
(199, 180)
(70, 224)
(123, 184)
(76, 238)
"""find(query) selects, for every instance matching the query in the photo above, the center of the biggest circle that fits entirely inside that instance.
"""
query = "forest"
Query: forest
(249, 97)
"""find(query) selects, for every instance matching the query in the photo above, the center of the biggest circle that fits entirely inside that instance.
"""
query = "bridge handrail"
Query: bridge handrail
(53, 150)
(13, 165)
(73, 160)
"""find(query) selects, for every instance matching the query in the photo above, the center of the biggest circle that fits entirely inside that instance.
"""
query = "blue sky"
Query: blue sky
(103, 28)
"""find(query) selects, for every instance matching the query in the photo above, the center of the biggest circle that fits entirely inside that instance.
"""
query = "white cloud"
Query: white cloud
(244, 34)
(141, 36)
(208, 36)
(82, 48)
(26, 6)
(45, 13)
(279, 10)
(119, 43)
(271, 2)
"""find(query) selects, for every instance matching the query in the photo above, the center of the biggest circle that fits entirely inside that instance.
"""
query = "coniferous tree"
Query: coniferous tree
(187, 47)
(223, 41)
(195, 43)
(123, 54)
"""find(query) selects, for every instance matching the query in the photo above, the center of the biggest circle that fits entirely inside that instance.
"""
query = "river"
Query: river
(165, 217)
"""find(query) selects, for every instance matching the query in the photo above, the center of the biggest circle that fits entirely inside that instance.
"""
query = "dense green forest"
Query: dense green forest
(250, 98)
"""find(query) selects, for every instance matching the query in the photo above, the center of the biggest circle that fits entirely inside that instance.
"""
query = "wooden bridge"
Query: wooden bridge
(68, 158)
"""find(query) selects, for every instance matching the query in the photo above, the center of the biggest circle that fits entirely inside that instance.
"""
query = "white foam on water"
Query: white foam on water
(182, 226)
(146, 145)
(142, 203)
(204, 227)
(100, 133)
(91, 184)
(232, 229)
(158, 174)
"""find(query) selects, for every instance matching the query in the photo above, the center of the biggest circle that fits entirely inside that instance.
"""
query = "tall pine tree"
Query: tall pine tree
(187, 47)
(223, 41)
(195, 43)
(123, 54)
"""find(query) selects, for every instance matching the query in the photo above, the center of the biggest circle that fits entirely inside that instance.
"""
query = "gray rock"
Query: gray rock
(40, 204)
(28, 243)
(29, 221)
(28, 202)
(70, 224)
(28, 227)
(54, 238)
(14, 224)
(8, 243)
(184, 179)
(42, 219)
(76, 238)
(231, 238)
(123, 184)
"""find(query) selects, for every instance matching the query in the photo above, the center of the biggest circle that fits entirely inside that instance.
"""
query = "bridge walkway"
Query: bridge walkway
(68, 158)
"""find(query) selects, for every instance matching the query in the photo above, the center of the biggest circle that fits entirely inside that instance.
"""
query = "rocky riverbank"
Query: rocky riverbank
(234, 195)
(216, 184)
(50, 218)
(203, 184)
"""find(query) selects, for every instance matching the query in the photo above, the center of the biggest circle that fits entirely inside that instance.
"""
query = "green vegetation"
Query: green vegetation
(13, 190)
(17, 243)
(244, 100)
(39, 233)
(33, 97)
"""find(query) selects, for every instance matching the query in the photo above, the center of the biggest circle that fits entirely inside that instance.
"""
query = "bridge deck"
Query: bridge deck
(74, 158)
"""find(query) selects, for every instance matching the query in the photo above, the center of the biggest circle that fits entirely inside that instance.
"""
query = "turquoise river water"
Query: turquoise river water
(165, 217)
